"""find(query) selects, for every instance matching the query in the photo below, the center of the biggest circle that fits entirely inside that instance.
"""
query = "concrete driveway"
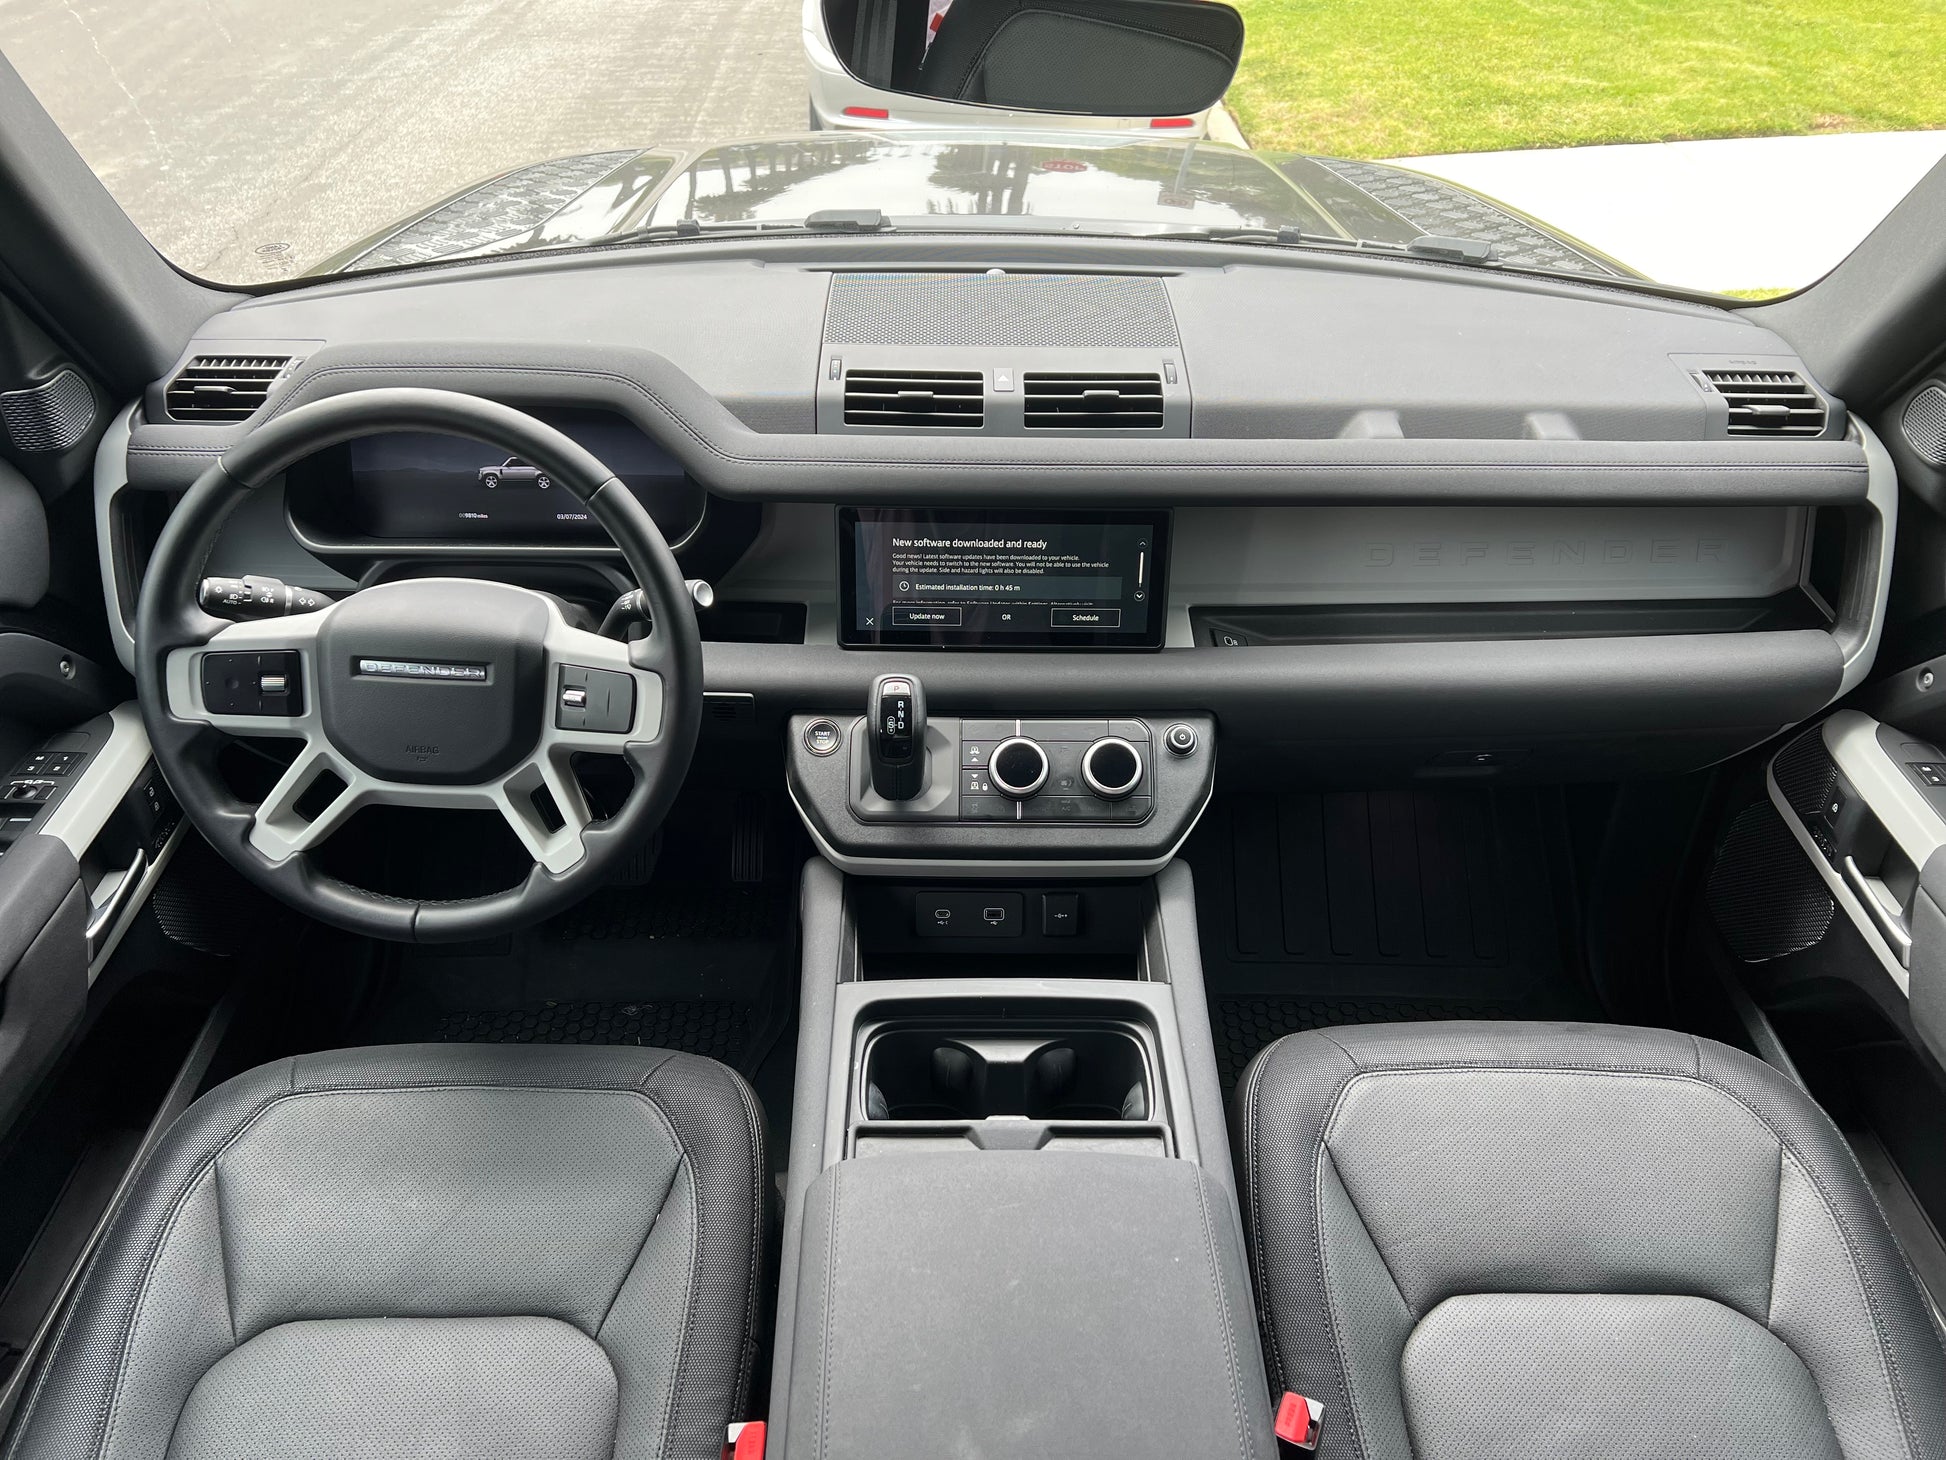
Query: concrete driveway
(251, 138)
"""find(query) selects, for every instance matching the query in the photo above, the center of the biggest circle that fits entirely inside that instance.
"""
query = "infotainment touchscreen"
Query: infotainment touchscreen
(1002, 579)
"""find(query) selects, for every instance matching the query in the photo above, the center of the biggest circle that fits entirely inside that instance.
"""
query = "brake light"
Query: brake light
(870, 113)
(1173, 122)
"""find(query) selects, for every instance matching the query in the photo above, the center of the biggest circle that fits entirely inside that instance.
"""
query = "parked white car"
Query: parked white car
(840, 100)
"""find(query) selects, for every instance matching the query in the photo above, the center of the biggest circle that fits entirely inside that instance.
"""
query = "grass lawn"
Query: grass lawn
(1398, 78)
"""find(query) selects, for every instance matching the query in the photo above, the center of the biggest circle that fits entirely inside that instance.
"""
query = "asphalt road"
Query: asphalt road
(251, 138)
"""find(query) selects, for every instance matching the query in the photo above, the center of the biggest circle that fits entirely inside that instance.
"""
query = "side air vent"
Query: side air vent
(1768, 402)
(909, 398)
(1089, 402)
(223, 387)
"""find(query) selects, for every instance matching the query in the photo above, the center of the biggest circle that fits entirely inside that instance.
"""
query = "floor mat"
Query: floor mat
(1368, 907)
(706, 969)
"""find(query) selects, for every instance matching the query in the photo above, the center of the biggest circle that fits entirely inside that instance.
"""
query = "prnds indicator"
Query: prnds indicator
(1003, 580)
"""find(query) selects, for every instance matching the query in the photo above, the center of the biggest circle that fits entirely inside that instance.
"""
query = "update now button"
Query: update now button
(1085, 618)
(924, 616)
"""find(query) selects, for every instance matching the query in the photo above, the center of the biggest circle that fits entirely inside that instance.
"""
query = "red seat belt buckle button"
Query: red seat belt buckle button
(746, 1441)
(1299, 1421)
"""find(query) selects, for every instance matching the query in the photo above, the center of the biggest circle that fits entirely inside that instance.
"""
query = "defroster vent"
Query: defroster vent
(906, 399)
(1076, 401)
(223, 387)
(1769, 402)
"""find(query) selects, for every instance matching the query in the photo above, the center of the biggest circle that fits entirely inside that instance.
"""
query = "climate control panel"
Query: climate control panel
(985, 796)
(1055, 770)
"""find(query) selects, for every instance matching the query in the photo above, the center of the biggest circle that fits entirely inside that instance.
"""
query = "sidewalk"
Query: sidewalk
(1749, 213)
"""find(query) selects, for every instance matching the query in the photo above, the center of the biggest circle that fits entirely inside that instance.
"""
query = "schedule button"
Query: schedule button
(924, 616)
(1085, 618)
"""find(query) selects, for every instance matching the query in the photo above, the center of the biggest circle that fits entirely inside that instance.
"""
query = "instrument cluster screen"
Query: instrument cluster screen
(412, 485)
(1002, 579)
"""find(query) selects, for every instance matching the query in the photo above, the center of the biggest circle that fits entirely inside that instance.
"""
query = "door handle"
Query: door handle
(1874, 894)
(105, 913)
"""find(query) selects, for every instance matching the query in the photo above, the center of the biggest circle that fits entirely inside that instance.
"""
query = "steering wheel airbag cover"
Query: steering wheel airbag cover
(441, 682)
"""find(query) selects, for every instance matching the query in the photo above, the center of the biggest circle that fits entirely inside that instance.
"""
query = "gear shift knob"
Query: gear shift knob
(895, 721)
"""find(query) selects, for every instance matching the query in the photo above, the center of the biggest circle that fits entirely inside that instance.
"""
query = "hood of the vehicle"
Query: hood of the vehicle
(1064, 180)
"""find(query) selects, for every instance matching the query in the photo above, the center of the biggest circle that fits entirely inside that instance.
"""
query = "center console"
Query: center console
(1009, 1171)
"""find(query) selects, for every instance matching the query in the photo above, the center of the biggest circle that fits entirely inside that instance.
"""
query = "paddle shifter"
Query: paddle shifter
(896, 715)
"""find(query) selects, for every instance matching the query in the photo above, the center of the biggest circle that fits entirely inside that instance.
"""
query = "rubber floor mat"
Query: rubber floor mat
(719, 1028)
(1360, 907)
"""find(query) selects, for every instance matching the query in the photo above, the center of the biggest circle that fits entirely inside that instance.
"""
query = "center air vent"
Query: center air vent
(1089, 402)
(223, 387)
(1768, 402)
(909, 398)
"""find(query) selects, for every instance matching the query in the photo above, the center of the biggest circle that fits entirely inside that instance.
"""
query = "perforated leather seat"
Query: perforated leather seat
(1554, 1241)
(536, 1253)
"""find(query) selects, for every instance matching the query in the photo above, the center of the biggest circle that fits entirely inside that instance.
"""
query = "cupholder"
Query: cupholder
(1076, 1075)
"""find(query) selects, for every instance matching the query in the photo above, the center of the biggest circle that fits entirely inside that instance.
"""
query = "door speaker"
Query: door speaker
(1924, 424)
(51, 416)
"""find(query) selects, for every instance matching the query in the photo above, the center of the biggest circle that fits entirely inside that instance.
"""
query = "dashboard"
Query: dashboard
(1374, 519)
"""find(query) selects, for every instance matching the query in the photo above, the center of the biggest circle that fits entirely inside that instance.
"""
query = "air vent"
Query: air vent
(1085, 402)
(1768, 402)
(223, 387)
(908, 398)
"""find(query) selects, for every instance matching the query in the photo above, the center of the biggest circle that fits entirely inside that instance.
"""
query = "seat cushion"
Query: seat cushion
(1514, 1240)
(540, 1252)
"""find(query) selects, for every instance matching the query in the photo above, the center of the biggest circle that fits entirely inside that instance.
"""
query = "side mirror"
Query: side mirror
(1097, 58)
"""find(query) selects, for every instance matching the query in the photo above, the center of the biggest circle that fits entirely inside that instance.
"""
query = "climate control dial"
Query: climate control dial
(1017, 768)
(1111, 768)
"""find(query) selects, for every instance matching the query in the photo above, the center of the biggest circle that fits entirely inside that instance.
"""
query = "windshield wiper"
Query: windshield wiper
(826, 220)
(1426, 246)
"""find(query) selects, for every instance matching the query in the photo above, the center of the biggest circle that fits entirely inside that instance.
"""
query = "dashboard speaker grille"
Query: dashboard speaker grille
(51, 416)
(1924, 424)
(1000, 311)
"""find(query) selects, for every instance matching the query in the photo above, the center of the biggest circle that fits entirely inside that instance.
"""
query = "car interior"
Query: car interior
(849, 842)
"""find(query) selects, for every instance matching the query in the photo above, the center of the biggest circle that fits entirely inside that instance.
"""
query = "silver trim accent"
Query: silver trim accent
(110, 480)
(152, 875)
(994, 866)
(423, 669)
(107, 777)
(1007, 788)
(1884, 908)
(106, 908)
(1881, 497)
(1106, 792)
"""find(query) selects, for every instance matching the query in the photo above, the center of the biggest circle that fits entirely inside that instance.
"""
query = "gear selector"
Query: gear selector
(896, 714)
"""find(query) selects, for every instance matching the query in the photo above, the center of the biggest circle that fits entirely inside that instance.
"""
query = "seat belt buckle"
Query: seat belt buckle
(745, 1441)
(1299, 1422)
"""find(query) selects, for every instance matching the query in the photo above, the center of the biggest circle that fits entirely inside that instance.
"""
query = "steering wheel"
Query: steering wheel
(439, 692)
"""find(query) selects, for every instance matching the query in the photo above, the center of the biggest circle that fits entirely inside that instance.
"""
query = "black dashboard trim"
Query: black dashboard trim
(733, 460)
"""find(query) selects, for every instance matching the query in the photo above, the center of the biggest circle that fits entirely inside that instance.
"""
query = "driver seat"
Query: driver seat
(529, 1252)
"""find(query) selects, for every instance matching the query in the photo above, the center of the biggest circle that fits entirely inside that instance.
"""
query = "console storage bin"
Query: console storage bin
(1024, 1303)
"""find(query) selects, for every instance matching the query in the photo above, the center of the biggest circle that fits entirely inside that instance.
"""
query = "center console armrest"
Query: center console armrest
(1024, 1303)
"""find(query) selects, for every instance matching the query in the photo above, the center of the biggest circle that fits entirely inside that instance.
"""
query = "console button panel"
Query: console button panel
(1013, 789)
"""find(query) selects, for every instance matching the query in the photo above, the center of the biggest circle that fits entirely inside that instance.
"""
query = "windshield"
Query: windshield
(1707, 145)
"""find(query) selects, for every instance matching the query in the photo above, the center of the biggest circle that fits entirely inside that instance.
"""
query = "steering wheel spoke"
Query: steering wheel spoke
(253, 678)
(600, 696)
(544, 805)
(302, 809)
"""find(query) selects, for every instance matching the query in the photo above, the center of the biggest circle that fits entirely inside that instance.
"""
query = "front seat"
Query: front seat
(475, 1252)
(1574, 1242)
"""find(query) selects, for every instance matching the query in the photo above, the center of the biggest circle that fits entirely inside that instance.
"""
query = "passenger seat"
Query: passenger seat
(1540, 1241)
